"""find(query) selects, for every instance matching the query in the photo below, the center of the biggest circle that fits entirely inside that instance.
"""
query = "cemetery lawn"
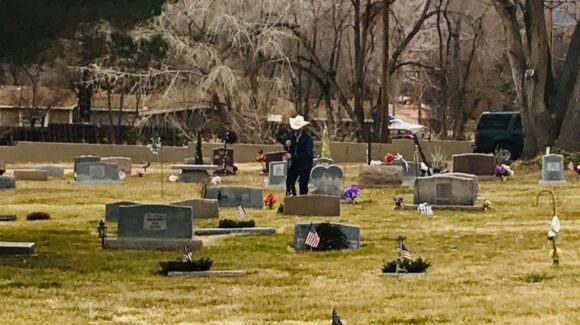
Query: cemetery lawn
(487, 267)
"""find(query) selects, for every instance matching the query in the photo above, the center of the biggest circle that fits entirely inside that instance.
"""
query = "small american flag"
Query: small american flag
(312, 239)
(404, 253)
(241, 211)
(335, 318)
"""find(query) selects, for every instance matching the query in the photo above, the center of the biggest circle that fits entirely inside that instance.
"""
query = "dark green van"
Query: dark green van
(500, 133)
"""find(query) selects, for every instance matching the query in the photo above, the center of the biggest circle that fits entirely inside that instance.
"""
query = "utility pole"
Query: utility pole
(384, 123)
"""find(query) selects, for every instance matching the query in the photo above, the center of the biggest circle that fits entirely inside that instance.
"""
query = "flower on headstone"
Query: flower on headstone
(270, 200)
(389, 158)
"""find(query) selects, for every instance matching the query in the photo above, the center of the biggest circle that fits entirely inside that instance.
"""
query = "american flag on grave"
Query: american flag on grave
(241, 211)
(404, 253)
(312, 238)
(335, 318)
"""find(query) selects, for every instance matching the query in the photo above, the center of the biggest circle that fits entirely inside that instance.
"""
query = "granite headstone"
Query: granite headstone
(455, 189)
(154, 221)
(273, 157)
(52, 170)
(327, 179)
(277, 175)
(352, 233)
(380, 176)
(322, 161)
(30, 175)
(112, 210)
(85, 159)
(233, 196)
(97, 172)
(312, 205)
(201, 208)
(7, 182)
(478, 164)
(552, 169)
(218, 159)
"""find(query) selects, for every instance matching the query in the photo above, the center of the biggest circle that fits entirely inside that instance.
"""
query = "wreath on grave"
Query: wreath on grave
(331, 237)
(404, 262)
(193, 265)
(418, 265)
(229, 223)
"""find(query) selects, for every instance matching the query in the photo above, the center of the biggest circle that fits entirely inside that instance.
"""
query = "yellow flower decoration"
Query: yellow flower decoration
(487, 205)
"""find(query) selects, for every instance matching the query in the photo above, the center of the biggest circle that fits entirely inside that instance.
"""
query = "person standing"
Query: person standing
(299, 147)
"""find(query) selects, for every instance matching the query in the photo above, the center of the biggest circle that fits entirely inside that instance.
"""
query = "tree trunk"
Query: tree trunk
(530, 73)
(567, 106)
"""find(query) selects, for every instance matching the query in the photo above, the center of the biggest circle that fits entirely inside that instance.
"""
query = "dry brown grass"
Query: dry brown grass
(491, 267)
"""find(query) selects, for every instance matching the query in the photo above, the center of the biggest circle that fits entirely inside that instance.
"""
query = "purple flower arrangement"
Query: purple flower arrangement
(503, 171)
(351, 192)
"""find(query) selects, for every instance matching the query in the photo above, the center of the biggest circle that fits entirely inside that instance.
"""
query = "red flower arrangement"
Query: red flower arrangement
(270, 200)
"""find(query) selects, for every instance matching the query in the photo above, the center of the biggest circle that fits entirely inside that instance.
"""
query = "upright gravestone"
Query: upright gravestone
(322, 161)
(327, 179)
(112, 210)
(453, 189)
(85, 159)
(411, 170)
(218, 159)
(352, 233)
(201, 208)
(152, 226)
(7, 182)
(124, 163)
(31, 175)
(97, 172)
(155, 222)
(552, 169)
(233, 196)
(277, 175)
(478, 164)
(271, 157)
(52, 170)
(380, 176)
(312, 205)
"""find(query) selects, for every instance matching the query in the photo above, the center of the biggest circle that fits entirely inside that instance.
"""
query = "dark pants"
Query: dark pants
(300, 173)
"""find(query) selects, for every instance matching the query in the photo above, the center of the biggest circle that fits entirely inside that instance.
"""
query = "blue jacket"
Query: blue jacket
(302, 150)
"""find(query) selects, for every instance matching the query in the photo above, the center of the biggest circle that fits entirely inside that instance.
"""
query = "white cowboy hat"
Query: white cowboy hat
(298, 122)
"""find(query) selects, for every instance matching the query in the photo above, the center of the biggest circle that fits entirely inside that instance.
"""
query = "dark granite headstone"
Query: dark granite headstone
(273, 157)
(153, 221)
(7, 182)
(112, 210)
(17, 248)
(85, 159)
(474, 163)
(218, 159)
(352, 233)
